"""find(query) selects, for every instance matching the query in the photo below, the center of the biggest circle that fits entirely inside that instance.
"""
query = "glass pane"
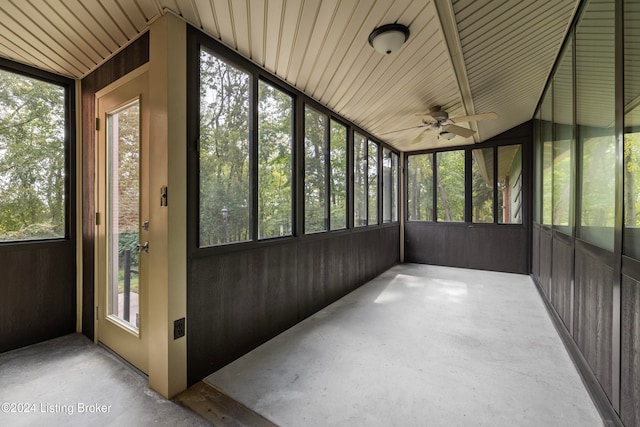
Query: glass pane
(314, 171)
(389, 185)
(420, 187)
(395, 167)
(482, 192)
(224, 153)
(510, 184)
(275, 162)
(123, 215)
(546, 136)
(537, 146)
(595, 82)
(632, 128)
(450, 186)
(563, 142)
(372, 183)
(338, 169)
(32, 159)
(359, 180)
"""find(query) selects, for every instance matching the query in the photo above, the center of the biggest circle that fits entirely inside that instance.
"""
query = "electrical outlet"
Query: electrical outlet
(178, 328)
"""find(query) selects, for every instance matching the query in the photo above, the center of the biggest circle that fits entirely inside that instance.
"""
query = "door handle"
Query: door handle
(143, 247)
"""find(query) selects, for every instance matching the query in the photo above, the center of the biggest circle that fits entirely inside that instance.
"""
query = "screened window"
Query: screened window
(420, 187)
(450, 186)
(33, 189)
(389, 185)
(509, 184)
(372, 183)
(359, 180)
(546, 136)
(631, 130)
(315, 183)
(563, 141)
(482, 181)
(338, 172)
(225, 206)
(275, 162)
(595, 108)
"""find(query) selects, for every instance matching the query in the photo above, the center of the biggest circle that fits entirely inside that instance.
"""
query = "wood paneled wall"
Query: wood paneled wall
(630, 355)
(487, 247)
(38, 292)
(561, 287)
(135, 55)
(578, 281)
(236, 301)
(38, 278)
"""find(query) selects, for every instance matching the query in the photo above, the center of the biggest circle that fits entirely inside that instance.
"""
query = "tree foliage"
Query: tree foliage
(420, 187)
(224, 152)
(450, 186)
(275, 165)
(32, 158)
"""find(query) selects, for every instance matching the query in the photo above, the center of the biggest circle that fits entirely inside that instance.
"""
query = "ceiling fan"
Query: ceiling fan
(439, 120)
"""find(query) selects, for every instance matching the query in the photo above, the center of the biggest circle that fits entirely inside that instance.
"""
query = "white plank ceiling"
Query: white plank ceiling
(469, 56)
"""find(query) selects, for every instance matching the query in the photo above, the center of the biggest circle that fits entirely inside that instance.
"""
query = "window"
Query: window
(360, 180)
(372, 183)
(450, 186)
(338, 173)
(33, 174)
(631, 132)
(224, 153)
(595, 111)
(275, 162)
(482, 181)
(420, 187)
(389, 185)
(510, 184)
(563, 142)
(546, 136)
(314, 171)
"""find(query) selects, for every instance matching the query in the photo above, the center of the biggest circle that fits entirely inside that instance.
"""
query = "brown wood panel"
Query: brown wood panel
(124, 62)
(561, 293)
(488, 247)
(236, 301)
(546, 260)
(593, 314)
(38, 291)
(630, 355)
(535, 252)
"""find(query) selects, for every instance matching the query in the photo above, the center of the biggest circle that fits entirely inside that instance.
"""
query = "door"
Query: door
(121, 220)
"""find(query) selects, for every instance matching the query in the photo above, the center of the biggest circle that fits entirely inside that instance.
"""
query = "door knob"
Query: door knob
(143, 247)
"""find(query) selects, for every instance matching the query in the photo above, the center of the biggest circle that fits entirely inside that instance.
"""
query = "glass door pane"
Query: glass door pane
(123, 145)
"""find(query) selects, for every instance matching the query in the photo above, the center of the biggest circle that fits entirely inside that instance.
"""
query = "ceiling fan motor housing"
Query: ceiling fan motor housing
(438, 114)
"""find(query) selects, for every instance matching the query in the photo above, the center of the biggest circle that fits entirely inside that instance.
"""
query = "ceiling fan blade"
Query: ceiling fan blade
(474, 118)
(401, 130)
(420, 136)
(458, 130)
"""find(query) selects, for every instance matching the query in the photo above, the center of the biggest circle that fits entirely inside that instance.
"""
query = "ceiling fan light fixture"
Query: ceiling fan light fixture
(447, 135)
(388, 38)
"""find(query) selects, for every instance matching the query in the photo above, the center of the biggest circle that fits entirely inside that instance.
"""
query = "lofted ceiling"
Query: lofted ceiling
(469, 56)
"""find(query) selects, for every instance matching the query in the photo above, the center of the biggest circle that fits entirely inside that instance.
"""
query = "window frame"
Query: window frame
(468, 190)
(69, 151)
(196, 40)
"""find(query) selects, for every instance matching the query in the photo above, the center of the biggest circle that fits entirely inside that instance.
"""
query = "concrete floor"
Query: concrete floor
(418, 346)
(69, 381)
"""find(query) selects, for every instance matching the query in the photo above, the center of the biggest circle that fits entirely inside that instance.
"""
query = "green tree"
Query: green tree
(275, 145)
(32, 158)
(450, 186)
(420, 187)
(225, 200)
